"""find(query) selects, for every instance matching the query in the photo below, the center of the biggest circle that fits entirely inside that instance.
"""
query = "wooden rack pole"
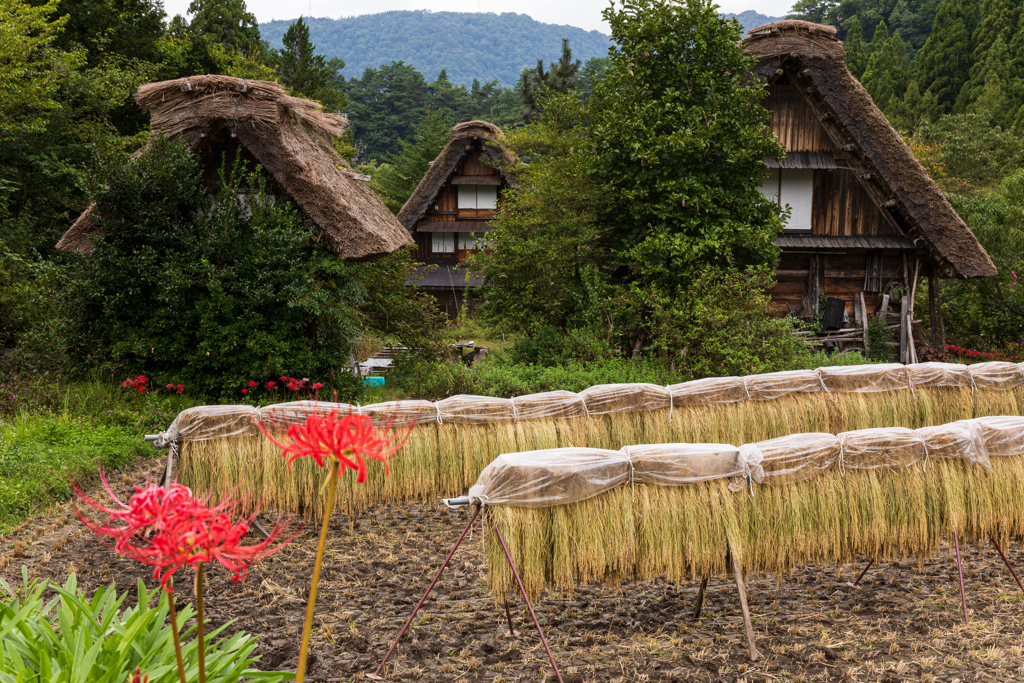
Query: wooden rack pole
(737, 571)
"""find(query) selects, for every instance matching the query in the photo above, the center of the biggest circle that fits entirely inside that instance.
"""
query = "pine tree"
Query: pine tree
(307, 73)
(397, 179)
(856, 58)
(994, 32)
(886, 75)
(562, 75)
(227, 22)
(944, 63)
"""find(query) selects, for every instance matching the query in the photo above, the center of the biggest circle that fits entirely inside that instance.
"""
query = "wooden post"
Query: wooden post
(938, 309)
(904, 355)
(912, 350)
(813, 285)
(700, 597)
(931, 307)
(885, 307)
(864, 319)
(737, 571)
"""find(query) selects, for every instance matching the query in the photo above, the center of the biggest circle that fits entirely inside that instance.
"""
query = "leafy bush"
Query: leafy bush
(208, 291)
(721, 324)
(549, 347)
(76, 640)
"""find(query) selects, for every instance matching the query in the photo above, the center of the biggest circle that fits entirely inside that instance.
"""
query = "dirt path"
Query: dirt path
(905, 624)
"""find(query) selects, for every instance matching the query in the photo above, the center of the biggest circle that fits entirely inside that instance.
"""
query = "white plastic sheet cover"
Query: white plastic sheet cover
(1001, 436)
(864, 378)
(400, 413)
(960, 440)
(281, 415)
(557, 476)
(475, 410)
(202, 423)
(549, 405)
(797, 457)
(613, 398)
(869, 449)
(708, 391)
(939, 375)
(996, 375)
(678, 464)
(775, 385)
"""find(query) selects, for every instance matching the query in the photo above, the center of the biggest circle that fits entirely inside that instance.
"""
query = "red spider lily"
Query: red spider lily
(184, 530)
(137, 677)
(245, 391)
(254, 384)
(318, 385)
(271, 385)
(350, 441)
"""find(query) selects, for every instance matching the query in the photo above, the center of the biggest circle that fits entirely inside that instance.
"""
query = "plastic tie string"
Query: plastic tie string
(632, 478)
(910, 382)
(822, 381)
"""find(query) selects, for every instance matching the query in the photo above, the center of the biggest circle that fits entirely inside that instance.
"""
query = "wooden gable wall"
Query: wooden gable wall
(445, 206)
(840, 204)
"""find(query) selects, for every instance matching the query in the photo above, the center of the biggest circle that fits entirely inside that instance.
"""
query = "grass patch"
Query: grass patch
(39, 454)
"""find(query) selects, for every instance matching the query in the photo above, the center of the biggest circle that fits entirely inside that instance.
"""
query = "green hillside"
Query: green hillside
(484, 46)
(750, 19)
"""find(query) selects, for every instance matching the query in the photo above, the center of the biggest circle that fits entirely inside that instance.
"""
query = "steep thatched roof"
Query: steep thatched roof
(466, 137)
(812, 59)
(289, 137)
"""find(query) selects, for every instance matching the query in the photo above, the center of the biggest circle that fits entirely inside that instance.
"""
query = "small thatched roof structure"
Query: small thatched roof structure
(466, 137)
(811, 58)
(289, 137)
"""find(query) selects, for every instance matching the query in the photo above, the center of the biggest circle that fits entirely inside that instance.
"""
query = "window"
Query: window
(468, 240)
(478, 196)
(442, 242)
(793, 187)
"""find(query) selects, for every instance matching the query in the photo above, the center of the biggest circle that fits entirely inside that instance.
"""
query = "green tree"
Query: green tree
(386, 104)
(885, 77)
(226, 22)
(32, 70)
(548, 266)
(679, 144)
(989, 312)
(856, 57)
(130, 29)
(944, 63)
(396, 180)
(308, 74)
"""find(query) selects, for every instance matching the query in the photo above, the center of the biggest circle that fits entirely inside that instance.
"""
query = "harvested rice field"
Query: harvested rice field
(905, 624)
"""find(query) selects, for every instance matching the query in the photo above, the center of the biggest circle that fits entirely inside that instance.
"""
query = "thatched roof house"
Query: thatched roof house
(449, 212)
(866, 215)
(289, 137)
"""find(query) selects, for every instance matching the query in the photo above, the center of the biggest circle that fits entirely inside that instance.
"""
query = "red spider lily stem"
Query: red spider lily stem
(307, 627)
(174, 633)
(200, 635)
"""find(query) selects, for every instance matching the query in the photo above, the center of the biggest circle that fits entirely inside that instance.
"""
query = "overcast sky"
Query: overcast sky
(583, 13)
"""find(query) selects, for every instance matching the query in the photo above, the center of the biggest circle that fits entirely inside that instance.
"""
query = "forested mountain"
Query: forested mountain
(470, 46)
(750, 19)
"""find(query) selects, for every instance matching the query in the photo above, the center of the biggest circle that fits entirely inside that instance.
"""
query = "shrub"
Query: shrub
(722, 324)
(547, 346)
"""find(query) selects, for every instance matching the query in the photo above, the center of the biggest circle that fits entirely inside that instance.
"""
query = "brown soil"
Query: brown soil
(905, 623)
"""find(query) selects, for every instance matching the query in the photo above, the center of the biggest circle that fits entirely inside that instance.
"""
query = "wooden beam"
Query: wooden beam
(904, 356)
